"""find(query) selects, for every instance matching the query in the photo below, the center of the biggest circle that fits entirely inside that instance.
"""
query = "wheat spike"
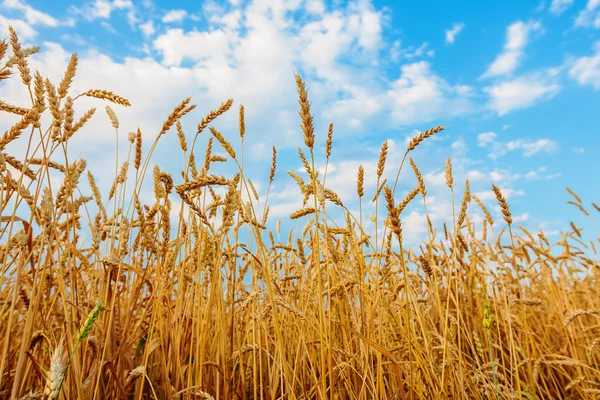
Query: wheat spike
(418, 139)
(65, 84)
(329, 143)
(55, 374)
(448, 173)
(19, 57)
(503, 204)
(224, 143)
(463, 206)
(419, 177)
(382, 158)
(273, 165)
(302, 213)
(107, 95)
(305, 115)
(360, 182)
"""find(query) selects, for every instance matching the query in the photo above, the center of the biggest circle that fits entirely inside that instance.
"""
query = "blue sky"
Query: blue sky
(516, 83)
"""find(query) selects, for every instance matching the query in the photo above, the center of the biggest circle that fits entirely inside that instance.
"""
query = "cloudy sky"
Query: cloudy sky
(515, 84)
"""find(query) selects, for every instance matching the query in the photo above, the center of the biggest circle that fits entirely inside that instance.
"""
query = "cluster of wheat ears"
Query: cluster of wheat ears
(103, 297)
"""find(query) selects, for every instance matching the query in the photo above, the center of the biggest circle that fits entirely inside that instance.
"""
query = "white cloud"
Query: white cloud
(148, 28)
(397, 52)
(419, 52)
(541, 6)
(579, 150)
(103, 9)
(230, 21)
(530, 148)
(32, 16)
(522, 92)
(517, 34)
(504, 64)
(586, 70)
(517, 219)
(483, 139)
(517, 37)
(459, 146)
(176, 46)
(435, 179)
(503, 176)
(362, 103)
(414, 227)
(324, 42)
(476, 176)
(106, 25)
(263, 53)
(212, 8)
(452, 33)
(421, 95)
(284, 201)
(589, 17)
(174, 16)
(315, 6)
(540, 174)
(560, 6)
(23, 29)
(122, 4)
(531, 175)
(527, 148)
(365, 23)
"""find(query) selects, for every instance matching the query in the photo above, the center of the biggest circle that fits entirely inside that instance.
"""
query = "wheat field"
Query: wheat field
(103, 296)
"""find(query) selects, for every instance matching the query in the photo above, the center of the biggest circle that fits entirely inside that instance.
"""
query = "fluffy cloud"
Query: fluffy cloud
(421, 95)
(586, 70)
(23, 29)
(541, 174)
(103, 9)
(452, 33)
(517, 37)
(325, 42)
(522, 92)
(527, 148)
(504, 176)
(148, 28)
(397, 52)
(335, 47)
(174, 16)
(176, 46)
(30, 18)
(589, 17)
(558, 7)
(31, 15)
